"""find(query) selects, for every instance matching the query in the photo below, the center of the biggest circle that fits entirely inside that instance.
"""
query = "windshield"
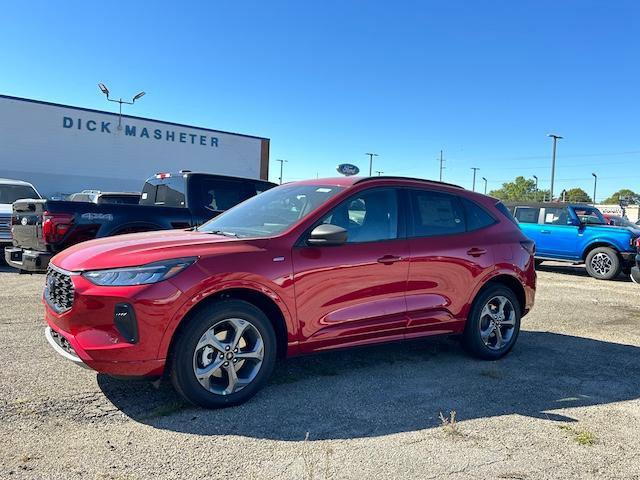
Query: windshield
(591, 216)
(271, 212)
(11, 193)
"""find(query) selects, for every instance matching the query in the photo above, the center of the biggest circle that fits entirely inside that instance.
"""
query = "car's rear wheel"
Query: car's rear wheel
(494, 323)
(603, 263)
(224, 355)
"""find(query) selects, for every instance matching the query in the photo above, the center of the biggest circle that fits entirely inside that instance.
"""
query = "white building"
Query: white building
(63, 149)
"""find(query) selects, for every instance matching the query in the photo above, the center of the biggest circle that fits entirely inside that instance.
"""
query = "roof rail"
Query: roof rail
(391, 177)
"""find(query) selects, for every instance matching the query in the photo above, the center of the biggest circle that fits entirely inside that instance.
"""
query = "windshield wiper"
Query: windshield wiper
(226, 234)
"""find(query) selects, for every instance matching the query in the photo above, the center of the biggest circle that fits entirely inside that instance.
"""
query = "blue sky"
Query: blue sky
(328, 81)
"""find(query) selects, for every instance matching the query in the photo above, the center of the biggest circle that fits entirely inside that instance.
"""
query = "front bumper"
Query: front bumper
(62, 346)
(29, 260)
(93, 338)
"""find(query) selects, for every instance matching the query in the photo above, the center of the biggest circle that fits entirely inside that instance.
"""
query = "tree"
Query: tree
(577, 195)
(626, 194)
(521, 189)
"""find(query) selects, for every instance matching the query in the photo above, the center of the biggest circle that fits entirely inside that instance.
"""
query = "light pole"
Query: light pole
(553, 159)
(441, 165)
(103, 88)
(475, 169)
(282, 162)
(535, 193)
(371, 155)
(595, 185)
(379, 172)
(485, 185)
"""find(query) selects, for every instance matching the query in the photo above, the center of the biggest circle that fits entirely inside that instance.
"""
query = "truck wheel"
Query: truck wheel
(493, 325)
(603, 263)
(224, 355)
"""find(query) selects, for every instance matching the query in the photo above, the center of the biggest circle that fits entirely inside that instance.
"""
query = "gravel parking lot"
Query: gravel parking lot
(564, 404)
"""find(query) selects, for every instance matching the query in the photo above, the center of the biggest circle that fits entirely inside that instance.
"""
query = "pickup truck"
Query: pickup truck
(577, 233)
(42, 228)
(10, 191)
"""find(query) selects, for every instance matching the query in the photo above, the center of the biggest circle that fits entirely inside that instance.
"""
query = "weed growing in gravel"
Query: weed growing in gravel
(582, 437)
(449, 424)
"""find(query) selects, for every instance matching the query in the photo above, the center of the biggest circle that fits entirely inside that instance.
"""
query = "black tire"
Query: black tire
(181, 363)
(608, 270)
(538, 263)
(471, 338)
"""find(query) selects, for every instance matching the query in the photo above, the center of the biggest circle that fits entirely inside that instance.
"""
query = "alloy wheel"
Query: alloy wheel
(601, 264)
(497, 322)
(228, 356)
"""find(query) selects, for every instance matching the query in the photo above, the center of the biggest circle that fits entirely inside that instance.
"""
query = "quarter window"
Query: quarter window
(435, 213)
(477, 217)
(369, 216)
(527, 214)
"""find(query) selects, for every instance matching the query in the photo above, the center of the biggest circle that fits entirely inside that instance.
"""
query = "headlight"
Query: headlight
(142, 275)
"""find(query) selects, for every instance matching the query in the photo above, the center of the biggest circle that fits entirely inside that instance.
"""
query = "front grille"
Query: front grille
(58, 290)
(5, 227)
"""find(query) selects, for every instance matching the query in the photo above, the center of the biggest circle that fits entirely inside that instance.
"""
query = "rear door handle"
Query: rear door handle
(545, 231)
(476, 252)
(389, 259)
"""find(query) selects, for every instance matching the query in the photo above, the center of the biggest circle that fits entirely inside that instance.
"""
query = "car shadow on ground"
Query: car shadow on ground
(577, 270)
(402, 387)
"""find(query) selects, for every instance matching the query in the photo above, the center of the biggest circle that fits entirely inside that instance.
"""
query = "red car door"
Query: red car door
(447, 260)
(354, 293)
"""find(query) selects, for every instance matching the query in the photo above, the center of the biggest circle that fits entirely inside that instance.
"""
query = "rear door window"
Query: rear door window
(435, 213)
(527, 214)
(219, 195)
(556, 216)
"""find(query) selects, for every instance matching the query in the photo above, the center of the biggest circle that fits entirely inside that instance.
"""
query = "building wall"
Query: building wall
(631, 211)
(62, 149)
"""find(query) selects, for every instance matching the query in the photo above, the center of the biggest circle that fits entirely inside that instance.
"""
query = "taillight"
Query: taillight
(636, 243)
(529, 246)
(55, 226)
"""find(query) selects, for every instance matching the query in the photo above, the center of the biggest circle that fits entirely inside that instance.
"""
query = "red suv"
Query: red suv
(304, 267)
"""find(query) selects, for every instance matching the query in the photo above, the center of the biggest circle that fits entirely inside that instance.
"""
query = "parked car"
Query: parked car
(10, 191)
(304, 267)
(578, 234)
(42, 228)
(619, 221)
(96, 196)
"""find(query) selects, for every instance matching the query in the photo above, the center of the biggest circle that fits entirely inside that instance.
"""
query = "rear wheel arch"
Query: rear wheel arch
(254, 297)
(509, 281)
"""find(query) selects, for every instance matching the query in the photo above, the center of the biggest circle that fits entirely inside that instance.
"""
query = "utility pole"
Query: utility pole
(475, 169)
(485, 185)
(282, 162)
(595, 185)
(371, 155)
(535, 193)
(379, 172)
(553, 159)
(441, 165)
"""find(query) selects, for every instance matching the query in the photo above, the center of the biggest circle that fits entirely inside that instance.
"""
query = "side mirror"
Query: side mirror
(327, 235)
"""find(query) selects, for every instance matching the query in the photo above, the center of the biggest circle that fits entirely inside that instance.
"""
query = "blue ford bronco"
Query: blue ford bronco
(577, 233)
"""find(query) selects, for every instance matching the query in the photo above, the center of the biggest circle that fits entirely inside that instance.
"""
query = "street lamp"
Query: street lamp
(485, 185)
(535, 193)
(103, 88)
(282, 162)
(371, 155)
(595, 185)
(553, 159)
(475, 169)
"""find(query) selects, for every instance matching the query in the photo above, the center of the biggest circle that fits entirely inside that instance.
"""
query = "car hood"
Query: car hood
(148, 247)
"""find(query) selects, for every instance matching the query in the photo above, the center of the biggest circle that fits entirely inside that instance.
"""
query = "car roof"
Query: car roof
(9, 181)
(353, 180)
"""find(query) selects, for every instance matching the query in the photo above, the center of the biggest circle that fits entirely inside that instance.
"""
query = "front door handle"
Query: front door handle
(476, 252)
(389, 259)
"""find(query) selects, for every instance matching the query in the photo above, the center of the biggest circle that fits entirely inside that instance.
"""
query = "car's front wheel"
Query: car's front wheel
(493, 325)
(224, 355)
(603, 263)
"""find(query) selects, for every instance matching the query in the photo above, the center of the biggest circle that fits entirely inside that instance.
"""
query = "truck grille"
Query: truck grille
(5, 227)
(58, 290)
